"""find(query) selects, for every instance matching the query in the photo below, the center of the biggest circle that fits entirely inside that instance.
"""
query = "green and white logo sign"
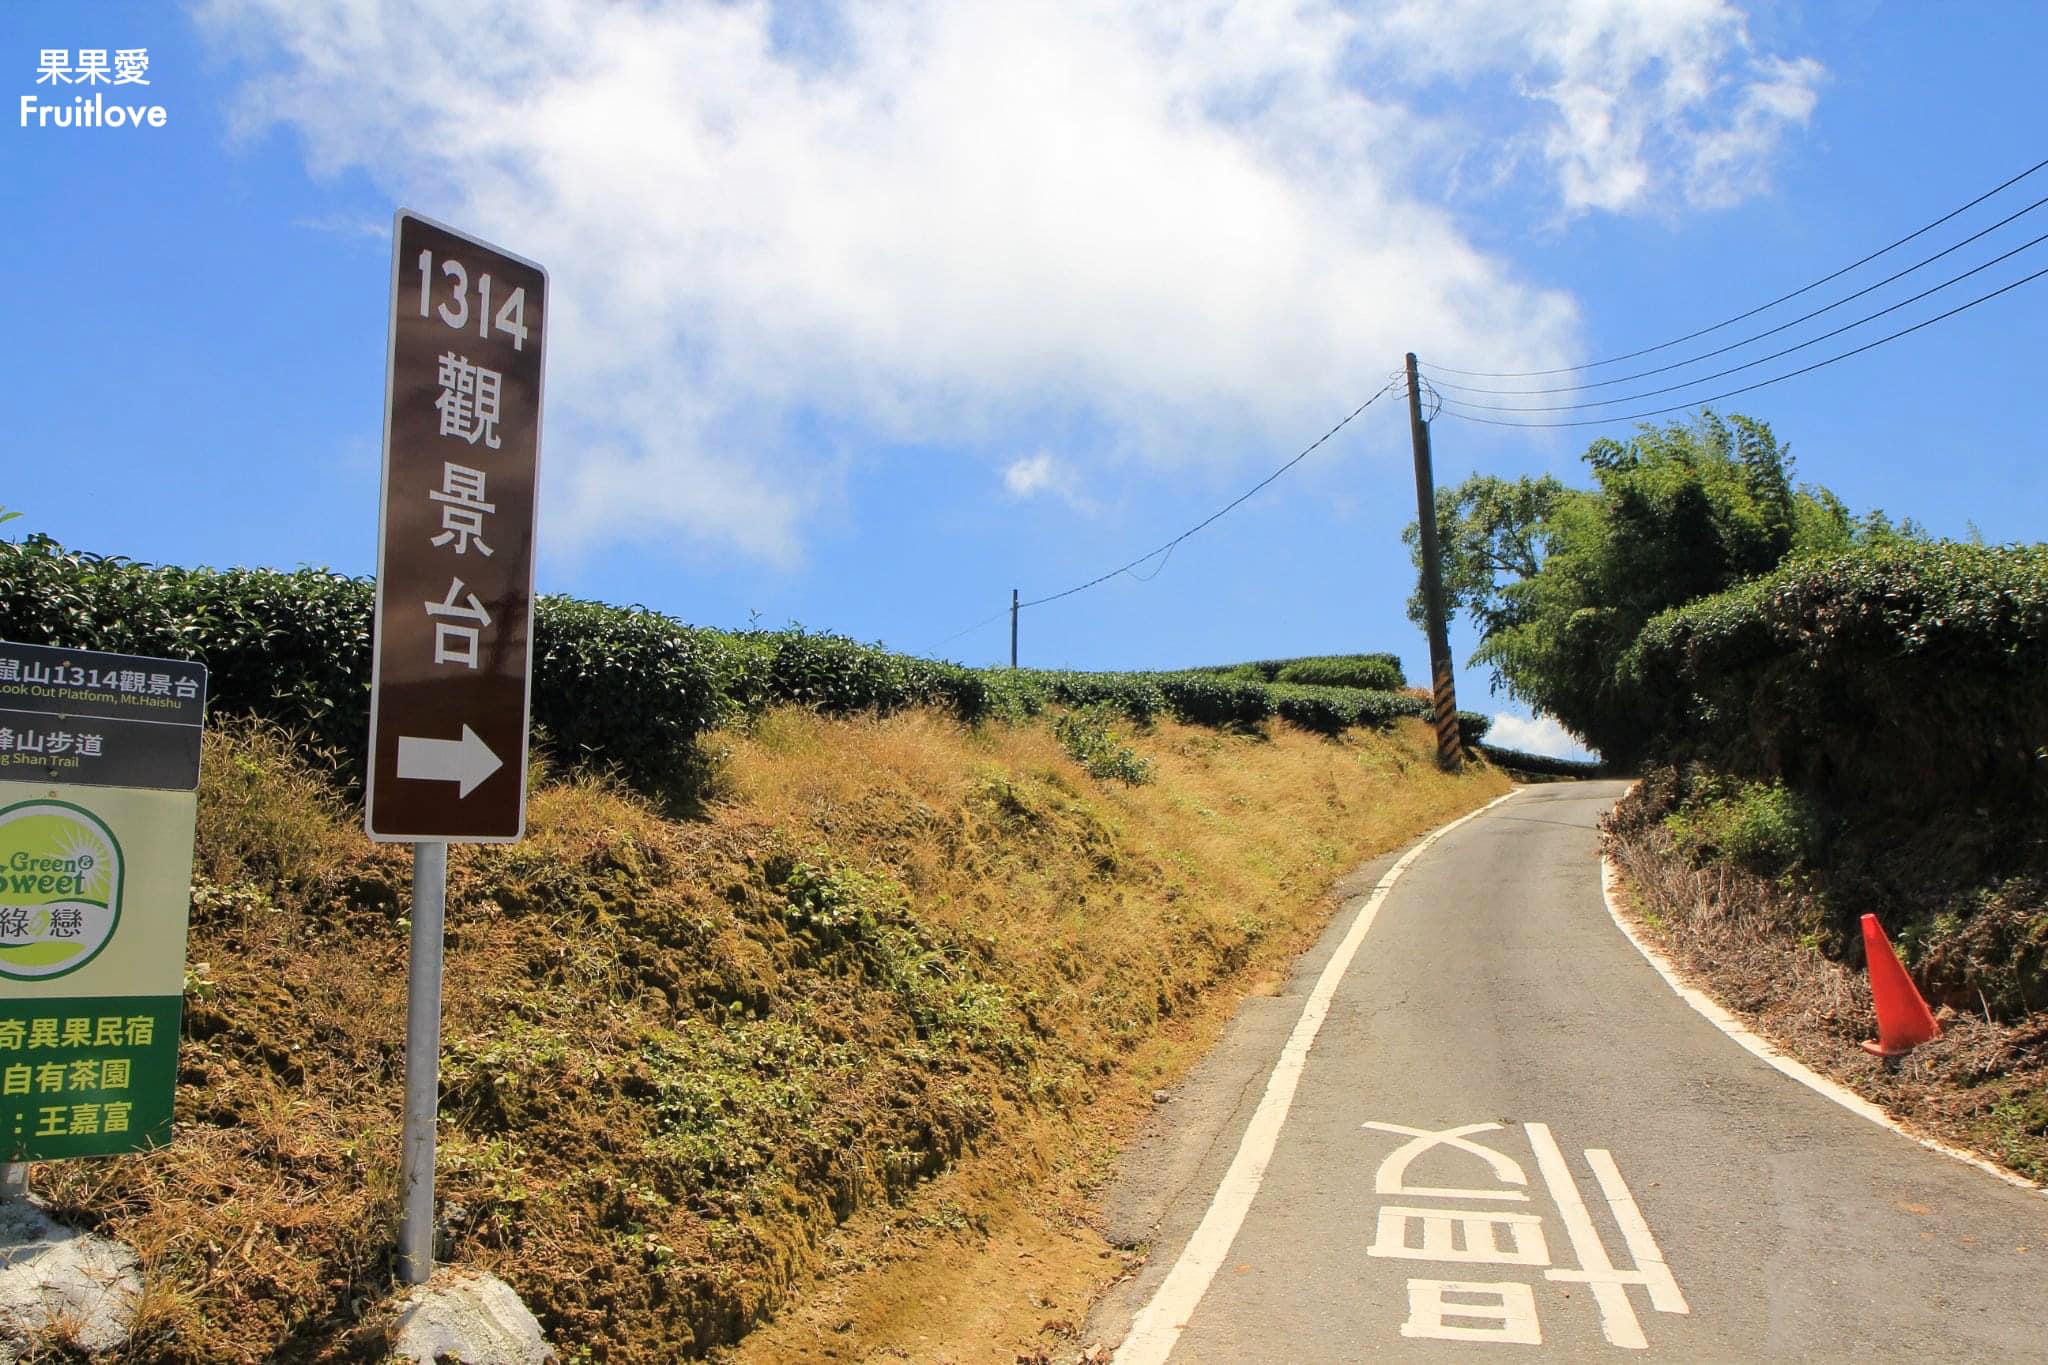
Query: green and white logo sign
(60, 889)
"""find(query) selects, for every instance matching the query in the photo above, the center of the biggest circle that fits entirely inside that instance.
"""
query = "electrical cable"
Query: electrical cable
(1764, 383)
(1148, 577)
(1168, 548)
(1752, 364)
(1737, 345)
(1104, 578)
(1739, 317)
(1430, 394)
(986, 621)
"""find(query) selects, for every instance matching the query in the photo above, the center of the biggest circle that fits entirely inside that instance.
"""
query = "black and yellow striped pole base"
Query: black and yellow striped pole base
(1450, 750)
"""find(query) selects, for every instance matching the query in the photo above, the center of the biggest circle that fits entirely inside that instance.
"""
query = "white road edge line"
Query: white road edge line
(1157, 1328)
(1798, 1071)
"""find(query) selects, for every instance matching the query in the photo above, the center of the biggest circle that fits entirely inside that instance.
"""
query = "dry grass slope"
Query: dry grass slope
(679, 1058)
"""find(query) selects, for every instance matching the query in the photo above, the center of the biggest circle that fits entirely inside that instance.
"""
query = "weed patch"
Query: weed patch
(1089, 741)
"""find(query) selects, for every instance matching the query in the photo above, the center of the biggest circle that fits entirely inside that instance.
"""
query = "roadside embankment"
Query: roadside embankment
(681, 1057)
(1749, 897)
(1863, 732)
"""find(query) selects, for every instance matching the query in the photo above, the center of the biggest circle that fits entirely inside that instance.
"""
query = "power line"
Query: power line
(1148, 577)
(1775, 379)
(1740, 317)
(1759, 336)
(1104, 578)
(985, 621)
(1752, 364)
(1168, 548)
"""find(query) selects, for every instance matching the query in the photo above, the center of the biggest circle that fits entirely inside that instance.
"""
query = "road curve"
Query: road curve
(1510, 1138)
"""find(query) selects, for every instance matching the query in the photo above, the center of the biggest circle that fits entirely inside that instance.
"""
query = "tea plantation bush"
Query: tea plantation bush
(1541, 765)
(294, 647)
(837, 675)
(1894, 674)
(1210, 697)
(623, 688)
(1135, 695)
(1368, 672)
(629, 689)
(1204, 699)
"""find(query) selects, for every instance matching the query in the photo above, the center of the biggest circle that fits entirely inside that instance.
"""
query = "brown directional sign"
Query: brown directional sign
(454, 623)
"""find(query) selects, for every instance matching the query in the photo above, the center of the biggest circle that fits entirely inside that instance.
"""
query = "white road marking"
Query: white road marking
(1158, 1327)
(1617, 1316)
(1482, 1244)
(1798, 1071)
(1513, 1304)
(1642, 1247)
(1392, 1176)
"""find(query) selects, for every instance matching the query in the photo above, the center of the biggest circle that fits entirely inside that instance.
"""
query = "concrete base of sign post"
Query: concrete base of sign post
(468, 1316)
(58, 1284)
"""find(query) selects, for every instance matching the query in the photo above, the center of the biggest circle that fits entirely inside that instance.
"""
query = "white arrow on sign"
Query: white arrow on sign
(467, 761)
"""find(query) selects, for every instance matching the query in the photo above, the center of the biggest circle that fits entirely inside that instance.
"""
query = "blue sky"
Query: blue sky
(865, 316)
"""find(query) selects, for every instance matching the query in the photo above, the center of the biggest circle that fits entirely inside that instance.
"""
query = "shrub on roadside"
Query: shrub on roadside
(1892, 676)
(1761, 826)
(1089, 741)
(1541, 765)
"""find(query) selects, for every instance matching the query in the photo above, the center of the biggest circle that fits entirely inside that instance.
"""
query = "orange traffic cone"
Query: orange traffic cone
(1903, 1019)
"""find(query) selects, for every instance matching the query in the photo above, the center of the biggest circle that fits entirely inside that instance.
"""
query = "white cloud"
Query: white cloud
(1192, 229)
(1031, 475)
(1542, 735)
(1658, 103)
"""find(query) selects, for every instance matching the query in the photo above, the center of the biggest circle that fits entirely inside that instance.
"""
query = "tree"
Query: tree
(1489, 532)
(1560, 580)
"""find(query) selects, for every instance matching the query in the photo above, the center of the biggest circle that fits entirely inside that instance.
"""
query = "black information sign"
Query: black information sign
(99, 720)
(454, 622)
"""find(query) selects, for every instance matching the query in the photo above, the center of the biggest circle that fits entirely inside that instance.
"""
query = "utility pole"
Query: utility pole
(1013, 627)
(1444, 711)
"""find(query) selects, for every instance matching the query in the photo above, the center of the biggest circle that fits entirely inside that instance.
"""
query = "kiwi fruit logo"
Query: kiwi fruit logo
(60, 889)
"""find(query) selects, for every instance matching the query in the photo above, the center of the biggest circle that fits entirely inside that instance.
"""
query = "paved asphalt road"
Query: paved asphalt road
(1493, 989)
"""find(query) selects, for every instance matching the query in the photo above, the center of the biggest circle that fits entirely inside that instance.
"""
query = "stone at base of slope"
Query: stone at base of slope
(469, 1316)
(58, 1282)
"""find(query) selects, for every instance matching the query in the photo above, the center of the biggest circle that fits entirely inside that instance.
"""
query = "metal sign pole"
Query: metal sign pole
(13, 1180)
(451, 681)
(422, 1063)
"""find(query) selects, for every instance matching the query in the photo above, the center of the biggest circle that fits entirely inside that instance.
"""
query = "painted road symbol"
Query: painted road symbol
(450, 696)
(1488, 1310)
